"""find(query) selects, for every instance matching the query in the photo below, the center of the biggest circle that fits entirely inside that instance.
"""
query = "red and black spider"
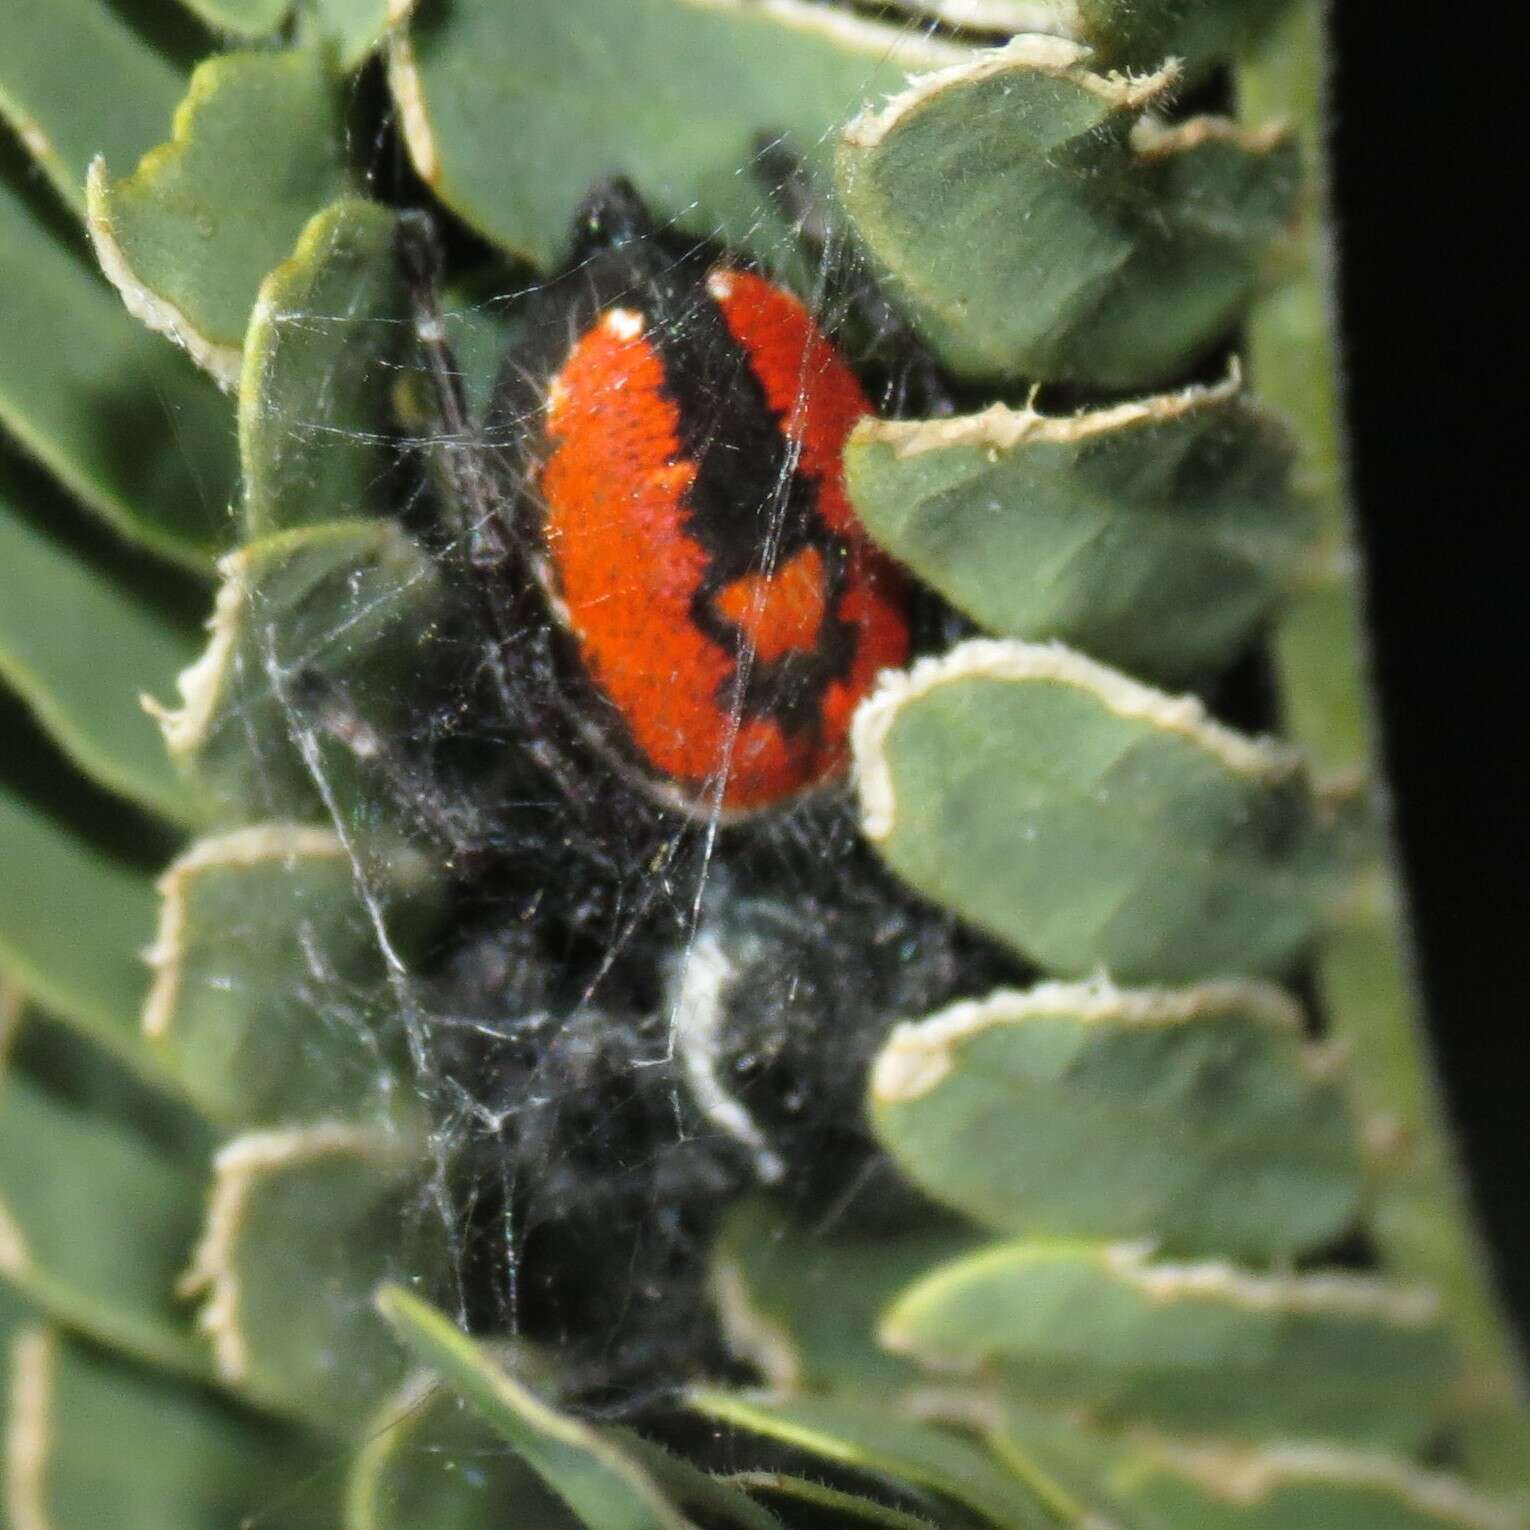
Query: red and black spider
(670, 955)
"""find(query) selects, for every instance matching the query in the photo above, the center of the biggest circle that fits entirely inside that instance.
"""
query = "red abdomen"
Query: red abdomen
(718, 587)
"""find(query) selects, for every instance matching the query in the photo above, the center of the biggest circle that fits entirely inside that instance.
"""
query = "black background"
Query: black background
(1428, 185)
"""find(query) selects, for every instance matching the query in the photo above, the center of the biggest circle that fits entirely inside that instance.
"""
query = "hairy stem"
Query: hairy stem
(1422, 1214)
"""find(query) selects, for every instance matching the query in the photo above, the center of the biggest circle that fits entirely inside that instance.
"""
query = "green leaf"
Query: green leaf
(1089, 821)
(606, 1488)
(427, 1460)
(257, 147)
(72, 927)
(235, 1012)
(95, 1226)
(120, 419)
(301, 1224)
(345, 608)
(354, 26)
(1140, 33)
(1295, 1487)
(80, 650)
(1153, 1482)
(1150, 535)
(864, 1438)
(849, 1507)
(95, 1441)
(599, 80)
(1195, 1116)
(320, 361)
(108, 91)
(1026, 228)
(1204, 1348)
(800, 1304)
(242, 18)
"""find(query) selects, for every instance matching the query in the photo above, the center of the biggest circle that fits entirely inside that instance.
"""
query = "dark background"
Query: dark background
(1427, 189)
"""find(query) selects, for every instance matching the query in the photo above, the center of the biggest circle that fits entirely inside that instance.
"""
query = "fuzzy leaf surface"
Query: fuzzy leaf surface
(320, 361)
(604, 1487)
(1195, 1348)
(1026, 229)
(97, 1226)
(1150, 535)
(302, 1223)
(1197, 1117)
(342, 611)
(1087, 820)
(114, 1444)
(257, 148)
(235, 1013)
(429, 1460)
(122, 422)
(598, 79)
(108, 92)
(72, 928)
(80, 650)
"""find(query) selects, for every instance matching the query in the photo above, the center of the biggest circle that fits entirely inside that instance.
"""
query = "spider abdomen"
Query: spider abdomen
(698, 541)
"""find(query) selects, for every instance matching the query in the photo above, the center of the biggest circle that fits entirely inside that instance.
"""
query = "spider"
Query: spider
(670, 956)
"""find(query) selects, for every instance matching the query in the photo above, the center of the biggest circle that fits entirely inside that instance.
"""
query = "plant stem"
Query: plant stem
(1422, 1215)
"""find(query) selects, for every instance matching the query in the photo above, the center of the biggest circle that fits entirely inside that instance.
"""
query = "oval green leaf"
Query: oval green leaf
(1026, 228)
(1197, 1117)
(1091, 822)
(72, 930)
(108, 92)
(596, 83)
(80, 650)
(1199, 1348)
(1150, 535)
(257, 147)
(123, 423)
(235, 1013)
(605, 1488)
(320, 361)
(95, 1226)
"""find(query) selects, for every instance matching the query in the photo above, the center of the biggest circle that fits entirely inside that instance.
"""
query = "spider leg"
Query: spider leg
(917, 384)
(469, 481)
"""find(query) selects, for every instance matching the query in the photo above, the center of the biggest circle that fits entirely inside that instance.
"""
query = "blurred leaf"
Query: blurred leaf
(80, 651)
(242, 18)
(257, 147)
(605, 1488)
(95, 1227)
(1149, 535)
(1026, 228)
(858, 1435)
(354, 26)
(847, 1507)
(1295, 1487)
(599, 80)
(72, 927)
(1197, 1117)
(1140, 33)
(122, 421)
(1089, 821)
(98, 1442)
(320, 363)
(270, 999)
(1198, 1347)
(1152, 1482)
(429, 1462)
(107, 92)
(337, 614)
(800, 1304)
(301, 1224)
